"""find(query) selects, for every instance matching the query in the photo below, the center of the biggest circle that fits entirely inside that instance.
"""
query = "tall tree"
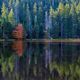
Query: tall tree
(29, 22)
(16, 11)
(36, 27)
(73, 20)
(78, 18)
(46, 25)
(67, 27)
(41, 20)
(61, 13)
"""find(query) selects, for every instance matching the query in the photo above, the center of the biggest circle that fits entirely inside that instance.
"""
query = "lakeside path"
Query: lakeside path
(46, 40)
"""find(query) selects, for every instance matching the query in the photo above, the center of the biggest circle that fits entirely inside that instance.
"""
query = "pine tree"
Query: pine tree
(51, 11)
(10, 3)
(11, 18)
(29, 22)
(73, 20)
(46, 25)
(78, 18)
(61, 14)
(61, 8)
(36, 27)
(4, 12)
(78, 8)
(41, 20)
(16, 11)
(66, 21)
(35, 8)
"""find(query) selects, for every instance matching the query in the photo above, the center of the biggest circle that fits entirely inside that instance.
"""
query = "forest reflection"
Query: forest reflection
(21, 60)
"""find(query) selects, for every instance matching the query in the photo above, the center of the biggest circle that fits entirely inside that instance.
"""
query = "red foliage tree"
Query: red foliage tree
(18, 32)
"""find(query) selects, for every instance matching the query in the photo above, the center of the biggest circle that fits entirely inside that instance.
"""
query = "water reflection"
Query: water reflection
(18, 47)
(21, 60)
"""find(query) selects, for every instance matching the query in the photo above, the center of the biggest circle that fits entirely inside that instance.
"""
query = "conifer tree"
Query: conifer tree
(29, 22)
(78, 18)
(10, 3)
(11, 18)
(36, 27)
(61, 13)
(41, 20)
(4, 12)
(51, 11)
(73, 20)
(16, 11)
(61, 8)
(35, 8)
(66, 21)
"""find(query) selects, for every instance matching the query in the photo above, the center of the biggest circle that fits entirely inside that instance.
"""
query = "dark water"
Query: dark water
(21, 60)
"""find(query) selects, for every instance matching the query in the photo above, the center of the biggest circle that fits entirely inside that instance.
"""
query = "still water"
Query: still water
(21, 60)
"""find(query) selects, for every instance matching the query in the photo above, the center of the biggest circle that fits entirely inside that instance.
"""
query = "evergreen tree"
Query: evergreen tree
(73, 20)
(4, 12)
(11, 18)
(36, 28)
(41, 20)
(78, 18)
(29, 22)
(16, 11)
(10, 3)
(55, 25)
(61, 8)
(46, 25)
(35, 8)
(51, 11)
(67, 28)
(61, 13)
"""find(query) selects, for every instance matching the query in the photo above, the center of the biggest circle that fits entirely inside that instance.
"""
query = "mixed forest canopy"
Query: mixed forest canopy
(40, 18)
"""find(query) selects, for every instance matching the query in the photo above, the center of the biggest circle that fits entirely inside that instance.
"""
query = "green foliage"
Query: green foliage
(51, 11)
(72, 70)
(67, 9)
(10, 2)
(4, 12)
(11, 63)
(35, 8)
(11, 18)
(4, 68)
(78, 8)
(61, 8)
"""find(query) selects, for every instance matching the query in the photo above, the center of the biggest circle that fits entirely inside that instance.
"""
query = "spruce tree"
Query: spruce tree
(61, 13)
(67, 27)
(4, 12)
(35, 8)
(73, 20)
(11, 18)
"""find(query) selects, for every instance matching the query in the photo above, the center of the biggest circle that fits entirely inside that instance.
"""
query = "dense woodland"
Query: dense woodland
(40, 18)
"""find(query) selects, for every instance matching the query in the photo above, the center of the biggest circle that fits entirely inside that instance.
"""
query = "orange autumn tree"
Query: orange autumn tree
(18, 32)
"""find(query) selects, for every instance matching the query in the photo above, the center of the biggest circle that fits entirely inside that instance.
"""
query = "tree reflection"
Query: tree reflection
(39, 61)
(18, 47)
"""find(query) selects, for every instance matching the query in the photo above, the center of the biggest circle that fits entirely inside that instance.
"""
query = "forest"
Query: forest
(23, 24)
(51, 19)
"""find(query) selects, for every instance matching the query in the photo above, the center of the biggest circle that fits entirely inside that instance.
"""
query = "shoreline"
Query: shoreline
(45, 40)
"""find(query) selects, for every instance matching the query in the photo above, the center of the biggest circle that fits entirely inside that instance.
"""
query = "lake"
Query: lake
(22, 60)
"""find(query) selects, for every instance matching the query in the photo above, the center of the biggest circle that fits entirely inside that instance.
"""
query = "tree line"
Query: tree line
(41, 19)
